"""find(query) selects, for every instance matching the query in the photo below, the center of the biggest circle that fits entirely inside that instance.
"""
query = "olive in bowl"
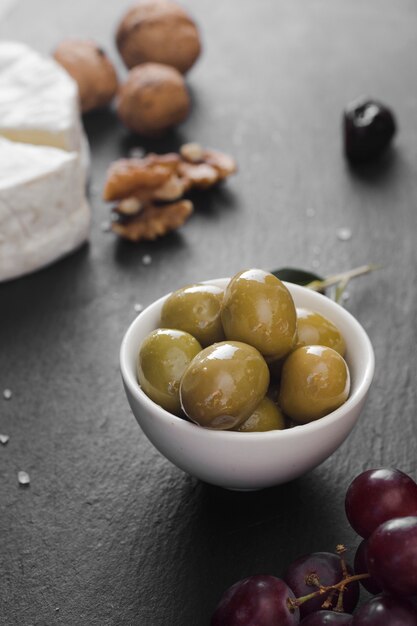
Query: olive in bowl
(315, 381)
(266, 416)
(223, 385)
(258, 309)
(163, 358)
(313, 329)
(196, 310)
(250, 460)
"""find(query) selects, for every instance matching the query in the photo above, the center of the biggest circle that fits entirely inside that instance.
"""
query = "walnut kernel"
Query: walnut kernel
(126, 176)
(129, 206)
(192, 152)
(149, 189)
(154, 221)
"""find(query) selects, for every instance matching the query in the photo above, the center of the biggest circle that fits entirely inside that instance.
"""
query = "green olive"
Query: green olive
(315, 329)
(315, 381)
(266, 416)
(223, 385)
(196, 310)
(162, 360)
(259, 310)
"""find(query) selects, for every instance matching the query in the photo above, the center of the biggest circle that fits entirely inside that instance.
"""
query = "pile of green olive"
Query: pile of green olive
(243, 358)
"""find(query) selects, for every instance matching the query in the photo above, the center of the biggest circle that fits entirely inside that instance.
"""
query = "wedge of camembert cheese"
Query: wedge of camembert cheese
(43, 210)
(44, 213)
(38, 99)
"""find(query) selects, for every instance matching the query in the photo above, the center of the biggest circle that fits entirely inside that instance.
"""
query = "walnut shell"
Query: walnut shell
(153, 99)
(158, 31)
(91, 69)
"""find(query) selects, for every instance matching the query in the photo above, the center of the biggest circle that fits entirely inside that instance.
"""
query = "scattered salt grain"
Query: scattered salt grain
(147, 259)
(344, 234)
(7, 394)
(23, 478)
(138, 307)
(4, 439)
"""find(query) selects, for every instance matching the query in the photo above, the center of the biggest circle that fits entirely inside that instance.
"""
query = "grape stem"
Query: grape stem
(328, 603)
(340, 586)
(340, 550)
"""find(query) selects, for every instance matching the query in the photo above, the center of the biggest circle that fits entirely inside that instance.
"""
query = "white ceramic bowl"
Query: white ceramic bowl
(247, 461)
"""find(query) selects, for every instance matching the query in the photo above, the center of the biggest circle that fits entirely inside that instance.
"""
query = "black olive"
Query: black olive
(369, 127)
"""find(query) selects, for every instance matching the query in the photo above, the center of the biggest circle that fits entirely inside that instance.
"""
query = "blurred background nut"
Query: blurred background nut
(158, 31)
(153, 99)
(92, 70)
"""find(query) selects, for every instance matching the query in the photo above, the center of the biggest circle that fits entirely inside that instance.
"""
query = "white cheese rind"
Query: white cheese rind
(38, 99)
(43, 211)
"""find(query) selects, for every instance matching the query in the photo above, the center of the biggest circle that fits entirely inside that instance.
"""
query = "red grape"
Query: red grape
(386, 611)
(392, 556)
(327, 618)
(378, 495)
(360, 566)
(328, 569)
(256, 601)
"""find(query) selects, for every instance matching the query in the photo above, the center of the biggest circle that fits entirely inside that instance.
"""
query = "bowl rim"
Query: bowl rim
(129, 379)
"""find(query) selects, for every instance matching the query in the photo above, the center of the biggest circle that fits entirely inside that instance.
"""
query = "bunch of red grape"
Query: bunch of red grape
(321, 589)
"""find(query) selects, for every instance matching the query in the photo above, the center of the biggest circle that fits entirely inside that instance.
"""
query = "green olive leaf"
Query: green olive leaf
(295, 275)
(332, 286)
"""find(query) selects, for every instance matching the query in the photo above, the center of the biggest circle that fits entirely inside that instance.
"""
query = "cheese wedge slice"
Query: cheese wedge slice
(38, 99)
(43, 211)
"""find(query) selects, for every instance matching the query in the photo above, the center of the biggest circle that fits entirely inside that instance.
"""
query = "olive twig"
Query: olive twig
(342, 279)
(340, 288)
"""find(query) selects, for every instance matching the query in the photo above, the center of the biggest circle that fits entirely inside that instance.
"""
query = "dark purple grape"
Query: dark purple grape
(327, 618)
(328, 569)
(360, 565)
(386, 611)
(256, 601)
(392, 556)
(369, 127)
(378, 495)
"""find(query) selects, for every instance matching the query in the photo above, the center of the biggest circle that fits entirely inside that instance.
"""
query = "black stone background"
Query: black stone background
(109, 532)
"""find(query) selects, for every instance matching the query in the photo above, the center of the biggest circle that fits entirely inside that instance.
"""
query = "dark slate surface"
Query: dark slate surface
(109, 533)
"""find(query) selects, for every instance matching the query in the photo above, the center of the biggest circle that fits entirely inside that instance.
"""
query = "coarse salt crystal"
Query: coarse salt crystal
(23, 478)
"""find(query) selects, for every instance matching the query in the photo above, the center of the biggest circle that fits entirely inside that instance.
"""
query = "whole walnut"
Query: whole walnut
(153, 98)
(158, 31)
(91, 69)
